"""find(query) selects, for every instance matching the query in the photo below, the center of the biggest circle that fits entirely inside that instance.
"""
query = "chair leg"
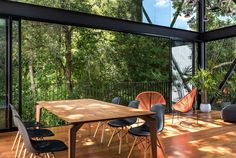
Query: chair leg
(113, 133)
(127, 138)
(146, 147)
(48, 156)
(18, 144)
(53, 155)
(135, 140)
(197, 116)
(24, 153)
(95, 133)
(120, 138)
(103, 130)
(31, 155)
(173, 115)
(15, 140)
(162, 149)
(22, 147)
(89, 127)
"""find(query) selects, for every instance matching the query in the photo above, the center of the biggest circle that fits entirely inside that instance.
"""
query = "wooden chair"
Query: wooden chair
(149, 98)
(185, 104)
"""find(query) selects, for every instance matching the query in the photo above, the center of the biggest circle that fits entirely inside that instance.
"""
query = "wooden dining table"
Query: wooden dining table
(80, 111)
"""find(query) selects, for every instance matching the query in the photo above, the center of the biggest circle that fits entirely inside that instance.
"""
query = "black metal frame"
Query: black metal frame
(19, 68)
(9, 71)
(66, 17)
(221, 33)
(6, 71)
(15, 10)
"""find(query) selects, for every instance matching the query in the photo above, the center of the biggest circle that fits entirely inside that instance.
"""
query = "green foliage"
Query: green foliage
(2, 60)
(204, 81)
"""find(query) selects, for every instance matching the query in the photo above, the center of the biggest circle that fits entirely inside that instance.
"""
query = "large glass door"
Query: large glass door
(183, 62)
(3, 47)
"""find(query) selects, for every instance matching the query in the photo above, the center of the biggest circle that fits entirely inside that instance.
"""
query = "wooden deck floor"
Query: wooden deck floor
(212, 138)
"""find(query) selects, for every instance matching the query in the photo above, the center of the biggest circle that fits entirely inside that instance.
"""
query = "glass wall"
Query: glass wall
(2, 73)
(182, 68)
(220, 56)
(62, 62)
(178, 14)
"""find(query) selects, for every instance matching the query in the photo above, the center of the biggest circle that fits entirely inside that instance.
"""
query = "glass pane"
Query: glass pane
(220, 56)
(182, 61)
(2, 73)
(177, 14)
(220, 14)
(65, 62)
(15, 64)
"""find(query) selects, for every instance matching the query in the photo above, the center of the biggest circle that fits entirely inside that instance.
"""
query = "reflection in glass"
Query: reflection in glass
(182, 60)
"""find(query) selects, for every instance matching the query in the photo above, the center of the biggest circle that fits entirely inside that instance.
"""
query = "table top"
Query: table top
(90, 110)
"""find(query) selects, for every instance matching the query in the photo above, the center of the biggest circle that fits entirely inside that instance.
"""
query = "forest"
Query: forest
(61, 61)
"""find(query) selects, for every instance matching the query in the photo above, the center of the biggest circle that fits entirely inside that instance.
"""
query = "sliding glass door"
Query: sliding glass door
(3, 46)
(183, 61)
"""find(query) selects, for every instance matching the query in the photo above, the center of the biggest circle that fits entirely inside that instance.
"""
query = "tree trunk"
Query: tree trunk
(31, 74)
(68, 55)
(177, 13)
(204, 97)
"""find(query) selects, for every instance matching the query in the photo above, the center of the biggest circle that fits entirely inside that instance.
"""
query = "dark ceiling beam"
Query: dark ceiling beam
(226, 32)
(66, 17)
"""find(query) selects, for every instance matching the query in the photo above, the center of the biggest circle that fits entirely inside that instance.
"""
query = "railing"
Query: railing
(126, 90)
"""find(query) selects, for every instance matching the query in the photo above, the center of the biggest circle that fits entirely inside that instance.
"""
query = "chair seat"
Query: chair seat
(32, 124)
(40, 133)
(119, 123)
(49, 146)
(140, 131)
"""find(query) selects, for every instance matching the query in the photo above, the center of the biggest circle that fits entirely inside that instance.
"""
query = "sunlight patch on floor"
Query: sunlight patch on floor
(219, 150)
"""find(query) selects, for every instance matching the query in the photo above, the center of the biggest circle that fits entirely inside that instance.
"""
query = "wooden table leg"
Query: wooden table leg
(153, 130)
(72, 139)
(38, 113)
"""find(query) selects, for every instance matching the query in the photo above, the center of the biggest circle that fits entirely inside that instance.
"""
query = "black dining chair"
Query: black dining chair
(33, 131)
(103, 124)
(120, 125)
(38, 147)
(142, 133)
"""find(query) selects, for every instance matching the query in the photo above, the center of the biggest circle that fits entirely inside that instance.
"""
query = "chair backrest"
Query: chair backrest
(24, 134)
(116, 100)
(14, 113)
(149, 98)
(133, 104)
(186, 103)
(159, 116)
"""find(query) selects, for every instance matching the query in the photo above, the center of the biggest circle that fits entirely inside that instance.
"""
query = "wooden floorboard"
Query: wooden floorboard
(211, 138)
